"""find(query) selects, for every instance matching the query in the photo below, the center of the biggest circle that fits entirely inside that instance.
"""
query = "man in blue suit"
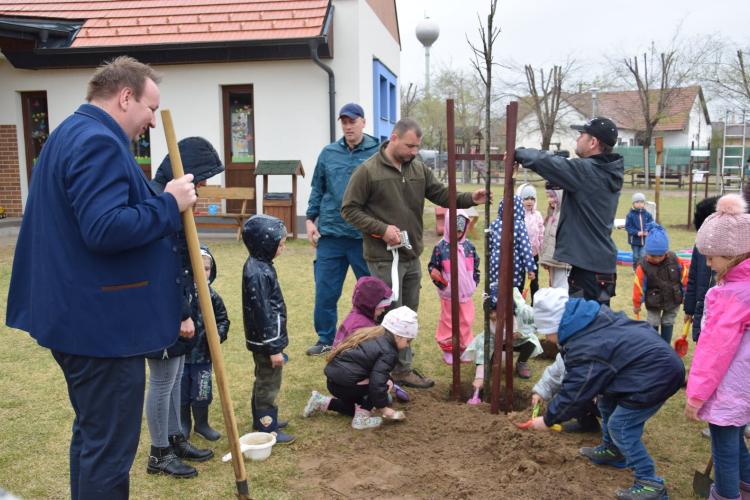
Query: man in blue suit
(96, 275)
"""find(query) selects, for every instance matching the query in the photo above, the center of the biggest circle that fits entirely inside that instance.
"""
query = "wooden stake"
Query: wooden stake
(209, 320)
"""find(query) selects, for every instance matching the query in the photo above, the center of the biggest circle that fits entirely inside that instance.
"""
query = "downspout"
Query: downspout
(331, 86)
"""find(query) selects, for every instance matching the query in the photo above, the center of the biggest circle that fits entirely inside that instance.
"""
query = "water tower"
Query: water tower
(427, 32)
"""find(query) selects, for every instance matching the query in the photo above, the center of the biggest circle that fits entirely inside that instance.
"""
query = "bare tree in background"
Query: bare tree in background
(411, 97)
(659, 74)
(728, 77)
(483, 64)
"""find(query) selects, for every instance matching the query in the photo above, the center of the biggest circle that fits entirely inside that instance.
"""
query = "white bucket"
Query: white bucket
(256, 446)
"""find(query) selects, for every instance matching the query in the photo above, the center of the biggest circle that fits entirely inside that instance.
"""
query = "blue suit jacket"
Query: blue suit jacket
(97, 269)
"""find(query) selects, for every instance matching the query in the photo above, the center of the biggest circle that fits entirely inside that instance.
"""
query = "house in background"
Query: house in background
(686, 120)
(261, 81)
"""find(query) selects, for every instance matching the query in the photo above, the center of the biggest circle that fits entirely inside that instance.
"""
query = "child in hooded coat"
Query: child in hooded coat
(632, 371)
(370, 298)
(264, 317)
(523, 258)
(467, 280)
(534, 226)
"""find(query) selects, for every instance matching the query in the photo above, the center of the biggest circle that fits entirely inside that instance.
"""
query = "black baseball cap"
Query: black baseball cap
(602, 128)
(352, 110)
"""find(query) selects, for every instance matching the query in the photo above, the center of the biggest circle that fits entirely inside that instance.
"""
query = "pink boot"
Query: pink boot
(316, 402)
(715, 496)
(744, 491)
(448, 358)
(363, 420)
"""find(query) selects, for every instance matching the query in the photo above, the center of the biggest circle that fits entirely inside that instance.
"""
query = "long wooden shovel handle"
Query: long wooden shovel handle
(710, 465)
(209, 320)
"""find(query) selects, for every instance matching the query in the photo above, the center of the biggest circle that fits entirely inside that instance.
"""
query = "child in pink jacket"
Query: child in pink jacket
(467, 280)
(534, 226)
(370, 298)
(718, 390)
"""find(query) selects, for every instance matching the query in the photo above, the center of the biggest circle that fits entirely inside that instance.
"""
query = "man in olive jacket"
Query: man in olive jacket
(385, 196)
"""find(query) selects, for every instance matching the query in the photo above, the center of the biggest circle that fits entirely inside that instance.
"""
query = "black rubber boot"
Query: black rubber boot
(201, 424)
(164, 461)
(186, 451)
(267, 419)
(666, 333)
(185, 422)
(280, 424)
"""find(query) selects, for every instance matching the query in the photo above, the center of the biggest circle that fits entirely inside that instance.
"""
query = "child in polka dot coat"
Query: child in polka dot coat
(523, 259)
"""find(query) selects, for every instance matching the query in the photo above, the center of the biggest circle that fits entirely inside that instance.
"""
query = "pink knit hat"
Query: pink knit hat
(727, 232)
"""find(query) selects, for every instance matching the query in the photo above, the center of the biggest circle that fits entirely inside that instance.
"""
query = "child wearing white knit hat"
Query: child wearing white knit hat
(358, 370)
(717, 388)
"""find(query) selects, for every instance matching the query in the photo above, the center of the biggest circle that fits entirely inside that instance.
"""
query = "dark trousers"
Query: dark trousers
(267, 382)
(107, 397)
(344, 398)
(196, 387)
(583, 284)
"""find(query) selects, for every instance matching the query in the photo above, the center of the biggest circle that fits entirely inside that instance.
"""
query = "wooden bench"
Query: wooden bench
(673, 178)
(230, 193)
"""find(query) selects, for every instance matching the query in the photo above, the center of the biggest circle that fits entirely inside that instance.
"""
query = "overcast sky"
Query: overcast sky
(545, 32)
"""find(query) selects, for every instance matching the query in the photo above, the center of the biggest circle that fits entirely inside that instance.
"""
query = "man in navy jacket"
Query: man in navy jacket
(96, 275)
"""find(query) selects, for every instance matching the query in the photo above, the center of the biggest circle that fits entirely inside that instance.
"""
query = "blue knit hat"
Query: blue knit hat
(657, 240)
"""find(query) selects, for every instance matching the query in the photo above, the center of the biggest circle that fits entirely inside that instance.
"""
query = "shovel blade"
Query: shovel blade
(702, 484)
(681, 346)
(522, 426)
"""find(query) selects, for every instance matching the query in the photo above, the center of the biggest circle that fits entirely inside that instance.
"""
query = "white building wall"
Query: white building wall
(375, 42)
(291, 107)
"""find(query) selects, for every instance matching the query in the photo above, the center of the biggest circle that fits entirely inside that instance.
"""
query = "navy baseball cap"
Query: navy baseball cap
(602, 128)
(352, 110)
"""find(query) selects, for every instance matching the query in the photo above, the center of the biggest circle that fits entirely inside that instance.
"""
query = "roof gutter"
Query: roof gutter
(331, 77)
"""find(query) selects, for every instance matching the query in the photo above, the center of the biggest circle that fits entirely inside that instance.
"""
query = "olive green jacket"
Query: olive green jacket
(379, 195)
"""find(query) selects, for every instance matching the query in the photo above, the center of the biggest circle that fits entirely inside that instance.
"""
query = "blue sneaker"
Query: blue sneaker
(603, 454)
(644, 489)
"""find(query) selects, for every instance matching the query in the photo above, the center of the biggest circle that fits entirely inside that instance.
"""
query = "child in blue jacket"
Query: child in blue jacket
(631, 370)
(635, 224)
(197, 390)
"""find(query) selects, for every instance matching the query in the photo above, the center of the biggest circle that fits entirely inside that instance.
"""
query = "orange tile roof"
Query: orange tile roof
(144, 22)
(624, 108)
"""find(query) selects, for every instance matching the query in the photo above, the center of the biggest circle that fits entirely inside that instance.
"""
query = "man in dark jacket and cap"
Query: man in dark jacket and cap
(631, 370)
(592, 184)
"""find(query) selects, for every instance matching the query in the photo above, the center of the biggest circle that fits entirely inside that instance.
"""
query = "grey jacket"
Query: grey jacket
(551, 380)
(592, 191)
(546, 255)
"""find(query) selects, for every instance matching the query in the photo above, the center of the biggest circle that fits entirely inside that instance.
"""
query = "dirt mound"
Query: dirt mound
(450, 450)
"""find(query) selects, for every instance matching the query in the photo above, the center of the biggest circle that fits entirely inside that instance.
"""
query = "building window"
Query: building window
(239, 140)
(35, 126)
(240, 127)
(385, 99)
(141, 150)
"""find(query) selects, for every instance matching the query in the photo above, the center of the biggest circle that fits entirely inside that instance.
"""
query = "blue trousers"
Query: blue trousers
(638, 253)
(107, 397)
(623, 428)
(731, 459)
(332, 261)
(196, 385)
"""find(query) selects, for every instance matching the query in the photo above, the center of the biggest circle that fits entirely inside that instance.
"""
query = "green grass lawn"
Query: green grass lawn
(36, 417)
